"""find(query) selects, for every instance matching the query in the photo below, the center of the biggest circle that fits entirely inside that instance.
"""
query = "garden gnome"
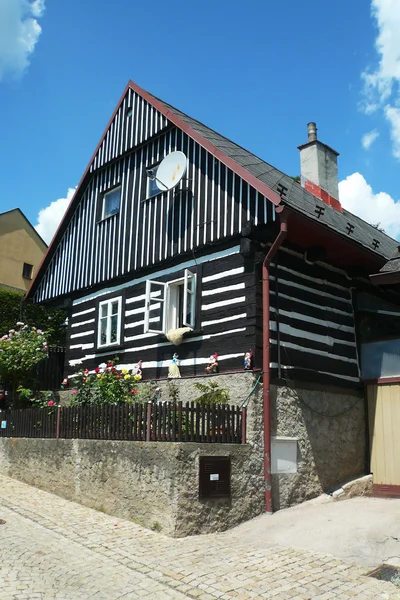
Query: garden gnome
(248, 360)
(213, 364)
(173, 371)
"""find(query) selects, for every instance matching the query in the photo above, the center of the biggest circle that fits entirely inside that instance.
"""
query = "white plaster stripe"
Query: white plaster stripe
(82, 346)
(138, 323)
(154, 294)
(326, 308)
(82, 323)
(313, 279)
(312, 351)
(311, 290)
(301, 317)
(83, 312)
(274, 365)
(137, 311)
(223, 274)
(315, 337)
(140, 336)
(82, 334)
(224, 320)
(156, 274)
(223, 303)
(149, 347)
(221, 290)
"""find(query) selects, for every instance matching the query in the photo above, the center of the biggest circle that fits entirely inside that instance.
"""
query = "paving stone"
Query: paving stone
(52, 549)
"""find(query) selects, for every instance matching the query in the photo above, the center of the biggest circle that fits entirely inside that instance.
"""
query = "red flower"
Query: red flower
(50, 403)
(114, 370)
(134, 391)
(109, 364)
(97, 370)
(119, 376)
(86, 371)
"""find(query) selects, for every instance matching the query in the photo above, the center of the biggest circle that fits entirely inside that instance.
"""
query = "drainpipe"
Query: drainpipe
(266, 355)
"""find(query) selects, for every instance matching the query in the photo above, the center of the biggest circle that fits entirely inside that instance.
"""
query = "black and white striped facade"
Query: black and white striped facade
(195, 227)
(224, 293)
(209, 205)
(313, 321)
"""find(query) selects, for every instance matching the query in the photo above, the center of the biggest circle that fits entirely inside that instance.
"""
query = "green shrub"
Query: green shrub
(211, 393)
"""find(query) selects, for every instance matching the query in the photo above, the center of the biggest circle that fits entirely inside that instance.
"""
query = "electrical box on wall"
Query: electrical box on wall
(215, 477)
(283, 455)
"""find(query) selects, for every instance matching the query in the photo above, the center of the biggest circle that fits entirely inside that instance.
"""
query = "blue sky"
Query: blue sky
(256, 72)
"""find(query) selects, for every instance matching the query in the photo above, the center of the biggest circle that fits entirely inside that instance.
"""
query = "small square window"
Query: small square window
(27, 271)
(109, 332)
(111, 202)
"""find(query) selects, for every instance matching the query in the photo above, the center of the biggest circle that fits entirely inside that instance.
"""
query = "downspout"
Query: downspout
(266, 355)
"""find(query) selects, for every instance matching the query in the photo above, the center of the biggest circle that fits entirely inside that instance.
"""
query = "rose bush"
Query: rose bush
(109, 385)
(20, 350)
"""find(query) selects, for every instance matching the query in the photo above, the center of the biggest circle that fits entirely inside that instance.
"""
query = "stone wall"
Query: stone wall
(153, 484)
(331, 446)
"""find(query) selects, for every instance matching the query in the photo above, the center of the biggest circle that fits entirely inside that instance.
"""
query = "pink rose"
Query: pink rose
(75, 392)
(50, 403)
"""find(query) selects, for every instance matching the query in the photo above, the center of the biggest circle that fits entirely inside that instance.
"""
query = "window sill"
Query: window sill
(107, 218)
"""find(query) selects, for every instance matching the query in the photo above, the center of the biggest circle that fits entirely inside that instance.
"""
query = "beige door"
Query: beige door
(384, 431)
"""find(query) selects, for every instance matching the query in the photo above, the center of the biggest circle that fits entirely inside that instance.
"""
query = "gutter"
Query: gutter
(267, 353)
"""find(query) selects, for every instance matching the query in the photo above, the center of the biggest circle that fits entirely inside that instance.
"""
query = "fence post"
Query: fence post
(58, 422)
(244, 424)
(148, 432)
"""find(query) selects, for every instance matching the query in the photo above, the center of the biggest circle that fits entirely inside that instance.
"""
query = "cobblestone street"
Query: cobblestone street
(54, 549)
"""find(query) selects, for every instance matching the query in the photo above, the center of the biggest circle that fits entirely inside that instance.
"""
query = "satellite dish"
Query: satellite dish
(170, 171)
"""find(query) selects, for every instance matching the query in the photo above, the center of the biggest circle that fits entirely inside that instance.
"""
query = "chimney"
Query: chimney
(318, 167)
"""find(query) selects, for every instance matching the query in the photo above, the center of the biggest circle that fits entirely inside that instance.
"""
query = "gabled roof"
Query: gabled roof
(31, 227)
(266, 179)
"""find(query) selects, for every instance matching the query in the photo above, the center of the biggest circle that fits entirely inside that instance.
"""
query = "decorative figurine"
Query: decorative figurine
(173, 371)
(213, 364)
(248, 360)
(137, 371)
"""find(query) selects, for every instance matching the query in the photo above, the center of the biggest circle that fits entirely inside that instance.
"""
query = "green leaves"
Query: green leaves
(211, 393)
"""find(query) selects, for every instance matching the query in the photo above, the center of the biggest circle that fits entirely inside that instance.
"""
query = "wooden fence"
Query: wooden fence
(161, 422)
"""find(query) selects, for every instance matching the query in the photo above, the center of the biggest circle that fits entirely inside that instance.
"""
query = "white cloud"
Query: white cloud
(19, 32)
(369, 138)
(393, 116)
(50, 217)
(357, 196)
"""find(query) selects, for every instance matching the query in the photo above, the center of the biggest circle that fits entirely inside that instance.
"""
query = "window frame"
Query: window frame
(102, 203)
(148, 194)
(108, 343)
(30, 271)
(190, 286)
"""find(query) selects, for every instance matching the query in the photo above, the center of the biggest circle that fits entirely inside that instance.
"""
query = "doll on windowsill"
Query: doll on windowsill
(173, 371)
(213, 364)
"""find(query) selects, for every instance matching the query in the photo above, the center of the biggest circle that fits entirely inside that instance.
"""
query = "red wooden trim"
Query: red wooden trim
(386, 491)
(382, 380)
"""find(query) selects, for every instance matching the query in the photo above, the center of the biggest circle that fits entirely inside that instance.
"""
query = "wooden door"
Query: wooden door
(384, 431)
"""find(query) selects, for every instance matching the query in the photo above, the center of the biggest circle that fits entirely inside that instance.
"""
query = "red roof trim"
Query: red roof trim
(261, 187)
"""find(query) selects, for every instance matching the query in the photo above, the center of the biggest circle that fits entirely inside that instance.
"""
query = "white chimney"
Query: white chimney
(318, 163)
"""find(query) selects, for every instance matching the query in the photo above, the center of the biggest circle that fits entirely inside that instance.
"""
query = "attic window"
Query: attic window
(152, 187)
(111, 202)
(27, 271)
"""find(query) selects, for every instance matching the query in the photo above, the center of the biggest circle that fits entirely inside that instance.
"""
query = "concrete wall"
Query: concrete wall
(153, 484)
(330, 449)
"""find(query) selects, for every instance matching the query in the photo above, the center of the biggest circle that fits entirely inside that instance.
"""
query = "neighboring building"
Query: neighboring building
(21, 251)
(131, 262)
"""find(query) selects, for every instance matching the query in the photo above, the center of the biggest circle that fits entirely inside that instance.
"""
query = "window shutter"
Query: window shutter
(189, 299)
(155, 304)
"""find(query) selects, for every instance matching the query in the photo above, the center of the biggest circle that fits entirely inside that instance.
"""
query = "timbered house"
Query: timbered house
(130, 262)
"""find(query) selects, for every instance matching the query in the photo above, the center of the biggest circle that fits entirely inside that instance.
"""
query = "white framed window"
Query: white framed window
(109, 332)
(111, 202)
(170, 305)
